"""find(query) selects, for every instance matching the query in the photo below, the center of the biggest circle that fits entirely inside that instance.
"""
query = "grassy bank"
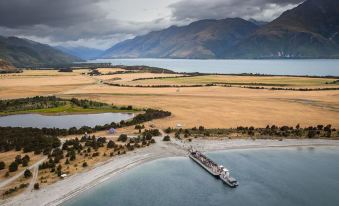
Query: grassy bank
(67, 109)
(55, 106)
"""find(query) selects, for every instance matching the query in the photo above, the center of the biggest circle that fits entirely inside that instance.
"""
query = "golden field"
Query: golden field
(213, 107)
(242, 80)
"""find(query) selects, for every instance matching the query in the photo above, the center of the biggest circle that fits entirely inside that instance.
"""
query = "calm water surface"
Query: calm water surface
(62, 121)
(287, 176)
(277, 67)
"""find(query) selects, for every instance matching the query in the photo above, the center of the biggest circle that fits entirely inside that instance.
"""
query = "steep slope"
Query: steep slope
(201, 39)
(307, 31)
(81, 52)
(6, 67)
(27, 53)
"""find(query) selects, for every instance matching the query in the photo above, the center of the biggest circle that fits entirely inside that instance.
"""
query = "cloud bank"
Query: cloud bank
(102, 23)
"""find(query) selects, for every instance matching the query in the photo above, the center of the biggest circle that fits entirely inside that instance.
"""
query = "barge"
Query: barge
(205, 163)
(213, 168)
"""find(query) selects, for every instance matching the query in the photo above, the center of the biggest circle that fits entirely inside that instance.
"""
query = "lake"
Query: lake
(316, 67)
(62, 121)
(303, 176)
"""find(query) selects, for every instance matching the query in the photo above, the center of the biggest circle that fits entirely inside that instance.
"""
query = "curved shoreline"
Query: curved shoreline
(70, 187)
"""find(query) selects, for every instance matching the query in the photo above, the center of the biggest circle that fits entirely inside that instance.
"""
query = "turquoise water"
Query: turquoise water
(287, 176)
(316, 67)
(62, 121)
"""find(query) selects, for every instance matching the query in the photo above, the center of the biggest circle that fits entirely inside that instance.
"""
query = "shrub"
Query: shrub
(2, 165)
(18, 159)
(168, 130)
(27, 173)
(25, 161)
(123, 138)
(13, 167)
(166, 138)
(36, 186)
(84, 164)
(110, 144)
(95, 154)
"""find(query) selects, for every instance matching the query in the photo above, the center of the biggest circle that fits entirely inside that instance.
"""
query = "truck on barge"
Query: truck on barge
(213, 168)
(205, 163)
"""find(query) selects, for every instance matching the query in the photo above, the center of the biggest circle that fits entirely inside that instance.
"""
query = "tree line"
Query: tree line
(294, 89)
(30, 103)
(87, 146)
(43, 102)
(319, 131)
(45, 139)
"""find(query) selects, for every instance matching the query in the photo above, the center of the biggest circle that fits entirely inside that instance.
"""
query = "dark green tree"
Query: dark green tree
(27, 173)
(166, 138)
(123, 138)
(110, 144)
(2, 165)
(13, 167)
(36, 186)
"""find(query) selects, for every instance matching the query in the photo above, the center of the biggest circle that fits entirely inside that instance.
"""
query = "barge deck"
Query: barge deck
(218, 171)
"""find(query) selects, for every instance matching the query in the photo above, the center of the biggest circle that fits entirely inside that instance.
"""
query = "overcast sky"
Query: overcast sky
(102, 23)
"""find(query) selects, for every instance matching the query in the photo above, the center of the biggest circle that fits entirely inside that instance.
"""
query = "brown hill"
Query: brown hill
(6, 67)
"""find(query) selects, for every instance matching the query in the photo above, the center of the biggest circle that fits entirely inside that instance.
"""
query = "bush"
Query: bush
(166, 138)
(36, 186)
(168, 130)
(84, 164)
(27, 173)
(13, 167)
(18, 159)
(95, 154)
(25, 161)
(110, 144)
(123, 138)
(2, 165)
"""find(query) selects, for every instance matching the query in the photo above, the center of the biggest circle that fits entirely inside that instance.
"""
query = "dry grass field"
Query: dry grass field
(208, 106)
(43, 82)
(108, 70)
(46, 177)
(16, 183)
(9, 157)
(219, 107)
(129, 77)
(208, 79)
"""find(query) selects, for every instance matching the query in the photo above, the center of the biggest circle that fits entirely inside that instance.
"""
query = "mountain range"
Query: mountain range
(311, 30)
(81, 52)
(26, 53)
(308, 31)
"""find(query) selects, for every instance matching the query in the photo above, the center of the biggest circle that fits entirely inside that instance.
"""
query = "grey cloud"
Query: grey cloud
(68, 22)
(19, 13)
(188, 10)
(104, 32)
(95, 23)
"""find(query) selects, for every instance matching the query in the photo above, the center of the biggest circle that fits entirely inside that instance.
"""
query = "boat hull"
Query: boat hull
(225, 181)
